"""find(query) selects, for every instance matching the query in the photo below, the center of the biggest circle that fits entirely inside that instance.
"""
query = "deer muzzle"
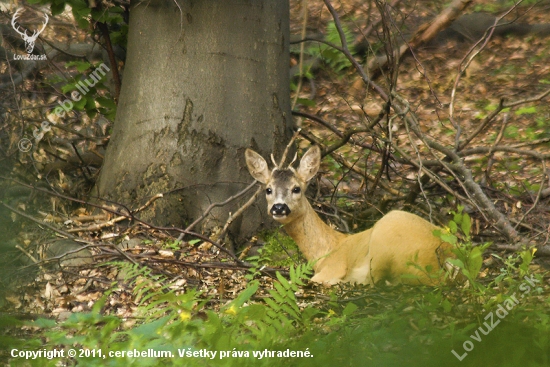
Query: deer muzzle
(279, 210)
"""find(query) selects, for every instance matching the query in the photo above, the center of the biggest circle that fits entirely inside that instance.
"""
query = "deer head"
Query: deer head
(285, 187)
(29, 40)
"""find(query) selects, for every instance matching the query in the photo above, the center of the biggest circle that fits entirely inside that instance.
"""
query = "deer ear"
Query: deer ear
(257, 166)
(309, 164)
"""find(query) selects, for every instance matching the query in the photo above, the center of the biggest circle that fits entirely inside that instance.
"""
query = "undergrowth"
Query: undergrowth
(278, 250)
(497, 319)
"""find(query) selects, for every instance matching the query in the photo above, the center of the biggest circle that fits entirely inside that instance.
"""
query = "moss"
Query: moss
(279, 250)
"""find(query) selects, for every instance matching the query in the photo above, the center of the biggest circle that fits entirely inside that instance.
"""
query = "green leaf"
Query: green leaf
(81, 66)
(274, 307)
(293, 275)
(290, 311)
(456, 262)
(349, 309)
(80, 104)
(151, 328)
(57, 9)
(245, 295)
(308, 313)
(526, 110)
(106, 102)
(282, 280)
(68, 87)
(449, 238)
(278, 296)
(453, 227)
(44, 323)
(255, 312)
(90, 104)
(457, 217)
(279, 288)
(98, 305)
(306, 102)
(466, 224)
(475, 261)
(446, 305)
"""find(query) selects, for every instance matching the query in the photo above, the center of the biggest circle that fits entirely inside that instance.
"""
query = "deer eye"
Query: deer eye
(268, 191)
(296, 190)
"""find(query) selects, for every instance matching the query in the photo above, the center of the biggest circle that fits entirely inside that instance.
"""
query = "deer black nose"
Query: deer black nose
(280, 209)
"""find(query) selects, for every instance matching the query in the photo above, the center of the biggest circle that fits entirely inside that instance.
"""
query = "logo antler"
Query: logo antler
(29, 40)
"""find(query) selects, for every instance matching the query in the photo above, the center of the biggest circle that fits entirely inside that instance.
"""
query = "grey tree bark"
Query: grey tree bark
(203, 80)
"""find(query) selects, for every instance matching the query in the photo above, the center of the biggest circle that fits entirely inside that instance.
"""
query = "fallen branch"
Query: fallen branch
(423, 34)
(119, 214)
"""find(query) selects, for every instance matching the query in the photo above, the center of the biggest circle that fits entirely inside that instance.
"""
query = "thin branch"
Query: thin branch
(539, 195)
(458, 168)
(346, 136)
(214, 205)
(318, 120)
(345, 50)
(114, 66)
(502, 105)
(235, 215)
(311, 138)
(301, 60)
(423, 34)
(42, 223)
(129, 215)
(501, 148)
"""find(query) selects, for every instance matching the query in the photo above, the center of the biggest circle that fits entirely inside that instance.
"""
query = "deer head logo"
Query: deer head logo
(29, 40)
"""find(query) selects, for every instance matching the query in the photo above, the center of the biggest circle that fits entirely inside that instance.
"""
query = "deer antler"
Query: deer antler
(43, 26)
(283, 159)
(15, 26)
(276, 166)
(293, 159)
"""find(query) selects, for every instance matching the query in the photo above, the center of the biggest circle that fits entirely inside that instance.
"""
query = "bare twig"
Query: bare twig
(345, 50)
(347, 135)
(490, 156)
(501, 106)
(537, 198)
(475, 192)
(29, 255)
(42, 223)
(110, 223)
(287, 148)
(301, 60)
(351, 166)
(129, 215)
(319, 121)
(223, 203)
(235, 215)
(501, 148)
(464, 64)
(423, 35)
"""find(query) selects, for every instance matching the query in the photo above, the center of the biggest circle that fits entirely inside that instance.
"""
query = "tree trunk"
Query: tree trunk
(203, 80)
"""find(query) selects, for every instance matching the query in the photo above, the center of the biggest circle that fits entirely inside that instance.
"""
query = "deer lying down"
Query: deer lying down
(384, 252)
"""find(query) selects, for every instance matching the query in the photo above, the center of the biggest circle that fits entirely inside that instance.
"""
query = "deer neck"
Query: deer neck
(313, 236)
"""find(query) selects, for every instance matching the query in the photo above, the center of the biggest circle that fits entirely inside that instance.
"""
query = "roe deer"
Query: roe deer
(385, 252)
